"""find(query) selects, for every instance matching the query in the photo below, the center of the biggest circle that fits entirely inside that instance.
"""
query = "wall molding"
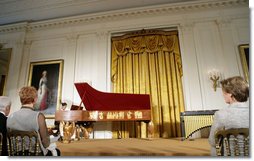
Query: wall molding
(123, 14)
(18, 27)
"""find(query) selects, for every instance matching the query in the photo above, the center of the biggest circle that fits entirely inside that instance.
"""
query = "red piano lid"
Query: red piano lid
(97, 100)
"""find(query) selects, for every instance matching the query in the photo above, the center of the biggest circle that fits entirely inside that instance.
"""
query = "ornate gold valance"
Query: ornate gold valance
(149, 41)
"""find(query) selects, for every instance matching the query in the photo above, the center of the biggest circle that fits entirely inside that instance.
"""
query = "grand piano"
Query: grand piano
(103, 106)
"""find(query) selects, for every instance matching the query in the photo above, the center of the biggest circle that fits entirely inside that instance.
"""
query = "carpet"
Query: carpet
(136, 147)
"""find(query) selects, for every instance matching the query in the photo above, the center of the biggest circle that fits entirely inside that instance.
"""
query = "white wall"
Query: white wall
(209, 38)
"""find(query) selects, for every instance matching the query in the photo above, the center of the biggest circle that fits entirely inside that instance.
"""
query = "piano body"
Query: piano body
(103, 106)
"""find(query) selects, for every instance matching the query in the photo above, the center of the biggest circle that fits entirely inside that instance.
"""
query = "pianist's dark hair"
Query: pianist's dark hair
(237, 86)
(64, 104)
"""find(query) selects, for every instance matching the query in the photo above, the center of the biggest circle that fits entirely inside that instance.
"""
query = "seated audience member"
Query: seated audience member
(27, 119)
(5, 106)
(236, 93)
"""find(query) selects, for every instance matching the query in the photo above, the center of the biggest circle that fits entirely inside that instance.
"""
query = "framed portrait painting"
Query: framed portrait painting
(244, 55)
(46, 77)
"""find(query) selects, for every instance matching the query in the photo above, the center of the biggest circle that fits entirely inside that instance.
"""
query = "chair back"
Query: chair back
(23, 143)
(1, 143)
(232, 142)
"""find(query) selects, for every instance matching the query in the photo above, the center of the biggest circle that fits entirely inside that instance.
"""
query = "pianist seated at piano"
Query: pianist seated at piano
(236, 115)
(66, 105)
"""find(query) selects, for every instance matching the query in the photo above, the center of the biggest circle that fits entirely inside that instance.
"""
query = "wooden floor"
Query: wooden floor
(136, 147)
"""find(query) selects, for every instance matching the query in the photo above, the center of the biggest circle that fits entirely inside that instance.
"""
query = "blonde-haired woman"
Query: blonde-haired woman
(26, 119)
(236, 94)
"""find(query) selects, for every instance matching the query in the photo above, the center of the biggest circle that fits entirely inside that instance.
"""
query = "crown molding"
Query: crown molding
(123, 14)
(18, 27)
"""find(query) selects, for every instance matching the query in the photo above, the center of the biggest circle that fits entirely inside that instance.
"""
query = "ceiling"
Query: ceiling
(14, 11)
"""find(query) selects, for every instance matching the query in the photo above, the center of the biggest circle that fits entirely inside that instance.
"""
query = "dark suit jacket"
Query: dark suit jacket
(3, 130)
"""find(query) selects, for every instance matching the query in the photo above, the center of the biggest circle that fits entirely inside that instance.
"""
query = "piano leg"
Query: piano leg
(150, 129)
(68, 130)
(78, 132)
(86, 128)
(119, 136)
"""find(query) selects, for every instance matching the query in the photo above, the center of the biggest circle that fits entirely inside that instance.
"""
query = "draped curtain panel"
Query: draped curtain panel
(149, 62)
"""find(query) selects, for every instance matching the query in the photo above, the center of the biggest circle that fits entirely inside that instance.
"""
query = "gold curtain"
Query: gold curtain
(149, 62)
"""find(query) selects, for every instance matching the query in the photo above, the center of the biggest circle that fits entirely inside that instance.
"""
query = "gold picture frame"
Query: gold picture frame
(46, 77)
(244, 55)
